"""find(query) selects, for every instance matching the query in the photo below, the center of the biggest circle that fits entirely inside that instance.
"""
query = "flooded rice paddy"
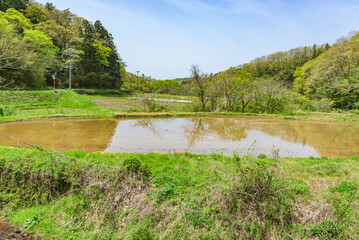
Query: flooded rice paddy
(256, 135)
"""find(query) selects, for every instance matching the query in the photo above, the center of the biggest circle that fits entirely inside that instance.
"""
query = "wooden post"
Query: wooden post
(53, 77)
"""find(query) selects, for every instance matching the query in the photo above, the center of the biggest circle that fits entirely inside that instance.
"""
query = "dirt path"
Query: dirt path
(9, 233)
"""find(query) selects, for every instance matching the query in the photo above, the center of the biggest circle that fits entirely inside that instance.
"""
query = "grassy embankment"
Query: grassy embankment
(178, 196)
(18, 105)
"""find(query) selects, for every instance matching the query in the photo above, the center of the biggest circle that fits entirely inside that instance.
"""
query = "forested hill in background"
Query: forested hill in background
(37, 41)
(326, 75)
(317, 78)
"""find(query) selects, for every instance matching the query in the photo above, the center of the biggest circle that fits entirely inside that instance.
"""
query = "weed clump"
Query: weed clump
(345, 187)
(260, 193)
(299, 188)
(134, 165)
(343, 200)
(325, 230)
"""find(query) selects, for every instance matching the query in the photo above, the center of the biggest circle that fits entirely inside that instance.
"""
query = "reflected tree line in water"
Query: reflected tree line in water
(329, 139)
(316, 134)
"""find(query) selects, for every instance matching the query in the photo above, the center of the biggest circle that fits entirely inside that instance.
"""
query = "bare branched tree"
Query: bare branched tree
(201, 85)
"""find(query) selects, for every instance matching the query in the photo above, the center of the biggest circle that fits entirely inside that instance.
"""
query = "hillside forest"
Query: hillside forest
(38, 41)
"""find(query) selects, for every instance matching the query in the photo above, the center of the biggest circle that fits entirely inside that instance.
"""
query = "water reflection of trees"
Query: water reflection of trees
(224, 128)
(329, 139)
(195, 132)
(148, 123)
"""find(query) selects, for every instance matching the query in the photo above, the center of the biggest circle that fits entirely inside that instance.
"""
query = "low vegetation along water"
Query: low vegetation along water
(257, 135)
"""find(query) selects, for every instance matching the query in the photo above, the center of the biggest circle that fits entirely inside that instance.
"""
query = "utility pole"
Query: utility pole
(137, 79)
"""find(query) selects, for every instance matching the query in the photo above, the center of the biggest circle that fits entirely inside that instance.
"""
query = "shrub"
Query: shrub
(134, 165)
(7, 110)
(261, 194)
(261, 156)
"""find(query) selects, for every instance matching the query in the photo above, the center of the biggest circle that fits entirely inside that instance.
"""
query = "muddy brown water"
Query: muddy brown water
(294, 138)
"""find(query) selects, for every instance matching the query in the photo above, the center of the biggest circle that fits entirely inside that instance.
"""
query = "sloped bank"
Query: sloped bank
(176, 196)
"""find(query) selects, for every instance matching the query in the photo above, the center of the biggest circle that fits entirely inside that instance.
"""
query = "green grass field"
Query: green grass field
(20, 105)
(178, 196)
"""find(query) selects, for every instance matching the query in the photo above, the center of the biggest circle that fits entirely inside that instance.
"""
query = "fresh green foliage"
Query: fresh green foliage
(17, 4)
(333, 76)
(166, 87)
(32, 222)
(39, 42)
(102, 53)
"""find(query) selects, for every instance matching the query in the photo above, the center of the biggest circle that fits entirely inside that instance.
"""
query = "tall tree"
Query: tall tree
(114, 59)
(236, 88)
(201, 85)
(16, 4)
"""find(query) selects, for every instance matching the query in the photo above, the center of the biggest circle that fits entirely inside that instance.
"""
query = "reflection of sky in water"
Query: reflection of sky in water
(264, 144)
(254, 135)
(181, 134)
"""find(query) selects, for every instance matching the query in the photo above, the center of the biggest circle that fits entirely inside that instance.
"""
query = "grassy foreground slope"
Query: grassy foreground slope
(178, 196)
(16, 105)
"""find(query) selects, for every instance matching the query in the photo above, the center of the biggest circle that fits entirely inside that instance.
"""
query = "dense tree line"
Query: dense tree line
(38, 41)
(309, 78)
(281, 66)
(332, 78)
(237, 90)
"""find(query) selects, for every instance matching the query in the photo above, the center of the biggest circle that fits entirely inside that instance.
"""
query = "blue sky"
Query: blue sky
(162, 38)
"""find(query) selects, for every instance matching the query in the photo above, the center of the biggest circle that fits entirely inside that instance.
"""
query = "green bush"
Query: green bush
(262, 156)
(262, 192)
(7, 110)
(134, 165)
